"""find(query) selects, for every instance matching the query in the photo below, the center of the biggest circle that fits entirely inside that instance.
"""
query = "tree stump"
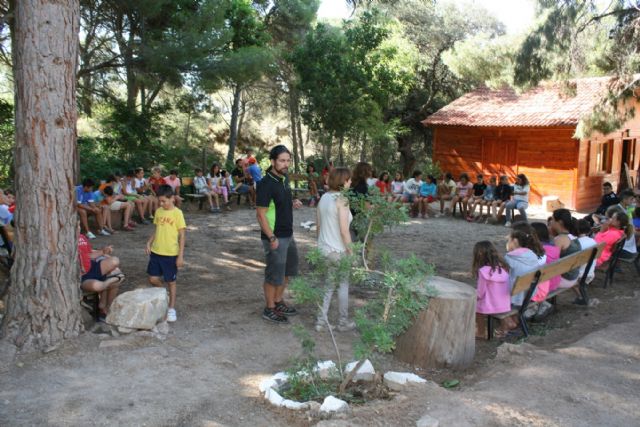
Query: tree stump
(443, 334)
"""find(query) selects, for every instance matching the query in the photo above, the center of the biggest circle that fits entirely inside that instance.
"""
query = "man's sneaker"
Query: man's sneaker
(321, 325)
(284, 309)
(507, 224)
(90, 235)
(171, 315)
(274, 316)
(104, 232)
(345, 326)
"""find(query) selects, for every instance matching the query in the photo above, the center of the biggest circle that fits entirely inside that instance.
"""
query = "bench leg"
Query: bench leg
(489, 327)
(523, 325)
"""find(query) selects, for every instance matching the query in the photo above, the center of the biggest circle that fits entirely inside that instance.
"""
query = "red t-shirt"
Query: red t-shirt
(84, 253)
(383, 186)
(156, 183)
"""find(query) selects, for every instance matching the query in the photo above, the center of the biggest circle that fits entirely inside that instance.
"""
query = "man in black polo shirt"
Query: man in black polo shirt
(275, 204)
(609, 198)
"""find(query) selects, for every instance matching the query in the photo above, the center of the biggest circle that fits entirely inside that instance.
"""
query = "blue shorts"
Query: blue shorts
(163, 266)
(243, 189)
(94, 272)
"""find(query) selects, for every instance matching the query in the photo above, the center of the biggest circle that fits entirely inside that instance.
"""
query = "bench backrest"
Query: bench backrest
(556, 268)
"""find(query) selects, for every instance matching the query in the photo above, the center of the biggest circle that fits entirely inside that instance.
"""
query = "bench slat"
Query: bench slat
(556, 268)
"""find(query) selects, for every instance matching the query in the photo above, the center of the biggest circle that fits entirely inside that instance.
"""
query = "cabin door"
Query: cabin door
(628, 178)
(499, 157)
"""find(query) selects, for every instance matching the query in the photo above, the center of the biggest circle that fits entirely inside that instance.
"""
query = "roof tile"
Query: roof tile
(545, 105)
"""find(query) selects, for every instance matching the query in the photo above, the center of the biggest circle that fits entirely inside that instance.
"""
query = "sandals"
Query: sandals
(119, 276)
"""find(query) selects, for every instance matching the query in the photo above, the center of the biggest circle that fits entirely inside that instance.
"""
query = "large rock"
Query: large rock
(139, 309)
(398, 380)
(334, 405)
(365, 373)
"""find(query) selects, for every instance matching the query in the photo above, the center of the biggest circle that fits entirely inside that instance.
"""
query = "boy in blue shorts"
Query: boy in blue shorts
(165, 247)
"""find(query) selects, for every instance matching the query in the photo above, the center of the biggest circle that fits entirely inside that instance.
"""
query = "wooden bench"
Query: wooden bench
(528, 282)
(193, 197)
(298, 191)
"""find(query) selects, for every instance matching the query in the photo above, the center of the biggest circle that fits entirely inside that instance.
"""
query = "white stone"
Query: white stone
(427, 421)
(365, 373)
(292, 404)
(139, 309)
(325, 368)
(334, 405)
(274, 397)
(125, 330)
(398, 380)
(162, 328)
(266, 385)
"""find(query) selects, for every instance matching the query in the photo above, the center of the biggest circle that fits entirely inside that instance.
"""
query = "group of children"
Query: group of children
(473, 198)
(530, 246)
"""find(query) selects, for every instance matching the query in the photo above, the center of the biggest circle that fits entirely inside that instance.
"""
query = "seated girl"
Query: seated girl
(611, 231)
(397, 187)
(463, 192)
(493, 291)
(428, 195)
(552, 252)
(486, 200)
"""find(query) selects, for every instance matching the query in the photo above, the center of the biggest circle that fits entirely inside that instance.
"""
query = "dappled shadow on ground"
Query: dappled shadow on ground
(207, 370)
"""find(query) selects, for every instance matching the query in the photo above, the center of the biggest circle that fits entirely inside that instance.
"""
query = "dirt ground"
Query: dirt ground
(581, 367)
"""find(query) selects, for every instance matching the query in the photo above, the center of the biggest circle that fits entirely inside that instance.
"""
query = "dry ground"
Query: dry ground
(582, 368)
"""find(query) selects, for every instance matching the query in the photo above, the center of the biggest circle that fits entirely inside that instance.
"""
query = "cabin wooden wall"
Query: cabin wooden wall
(590, 182)
(547, 156)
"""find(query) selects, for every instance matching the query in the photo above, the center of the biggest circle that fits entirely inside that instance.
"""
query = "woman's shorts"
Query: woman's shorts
(116, 206)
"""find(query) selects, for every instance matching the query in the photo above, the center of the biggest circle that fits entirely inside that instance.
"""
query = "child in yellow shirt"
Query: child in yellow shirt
(165, 247)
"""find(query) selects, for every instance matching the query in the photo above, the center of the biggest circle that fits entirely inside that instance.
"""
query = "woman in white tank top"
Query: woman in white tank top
(334, 240)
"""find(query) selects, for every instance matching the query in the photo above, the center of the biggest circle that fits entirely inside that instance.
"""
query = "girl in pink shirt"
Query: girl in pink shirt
(611, 232)
(493, 290)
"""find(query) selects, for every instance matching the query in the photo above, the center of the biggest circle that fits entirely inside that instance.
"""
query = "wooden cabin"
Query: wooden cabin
(497, 132)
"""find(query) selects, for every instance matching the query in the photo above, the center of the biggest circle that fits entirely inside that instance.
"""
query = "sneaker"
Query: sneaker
(227, 208)
(346, 326)
(213, 210)
(285, 310)
(132, 224)
(90, 235)
(321, 325)
(171, 315)
(312, 203)
(104, 232)
(274, 316)
(544, 310)
(145, 222)
(531, 311)
(151, 217)
(127, 228)
(507, 224)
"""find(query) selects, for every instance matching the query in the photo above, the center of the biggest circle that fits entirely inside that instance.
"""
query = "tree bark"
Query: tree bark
(407, 158)
(294, 133)
(43, 306)
(443, 334)
(233, 131)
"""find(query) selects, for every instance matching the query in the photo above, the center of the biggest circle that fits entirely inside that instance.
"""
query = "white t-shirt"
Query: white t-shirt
(397, 187)
(587, 242)
(371, 181)
(329, 237)
(412, 186)
(200, 182)
(519, 189)
(139, 182)
(215, 180)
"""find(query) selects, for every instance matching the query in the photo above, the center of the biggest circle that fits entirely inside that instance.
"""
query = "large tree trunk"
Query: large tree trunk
(443, 334)
(407, 158)
(43, 306)
(294, 133)
(233, 131)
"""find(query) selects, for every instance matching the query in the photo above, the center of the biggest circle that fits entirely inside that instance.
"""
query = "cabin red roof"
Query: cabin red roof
(549, 104)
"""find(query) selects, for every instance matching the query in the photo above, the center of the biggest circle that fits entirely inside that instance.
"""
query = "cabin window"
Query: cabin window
(601, 160)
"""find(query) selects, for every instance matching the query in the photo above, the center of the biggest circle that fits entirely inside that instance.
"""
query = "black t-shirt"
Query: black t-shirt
(607, 200)
(478, 189)
(359, 189)
(273, 192)
(238, 174)
(503, 192)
